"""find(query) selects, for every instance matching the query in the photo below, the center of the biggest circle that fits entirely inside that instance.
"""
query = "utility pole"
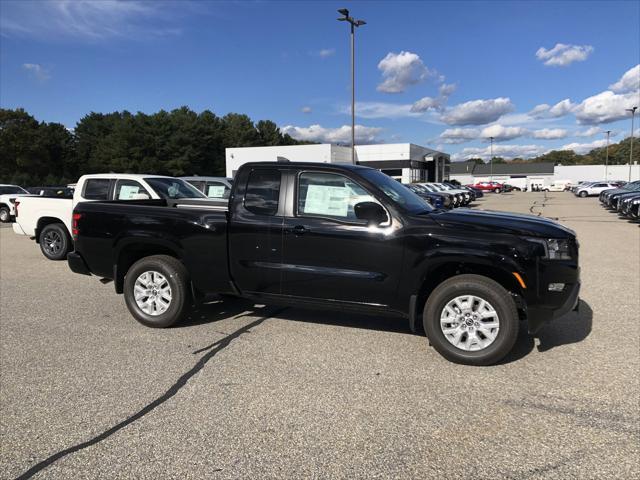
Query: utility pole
(491, 161)
(354, 24)
(606, 160)
(633, 113)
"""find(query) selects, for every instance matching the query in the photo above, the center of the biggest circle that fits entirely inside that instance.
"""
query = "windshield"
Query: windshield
(7, 190)
(397, 192)
(173, 188)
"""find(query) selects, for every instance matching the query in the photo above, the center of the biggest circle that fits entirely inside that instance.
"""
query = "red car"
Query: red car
(489, 186)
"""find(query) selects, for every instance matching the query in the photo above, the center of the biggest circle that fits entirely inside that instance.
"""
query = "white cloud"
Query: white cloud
(458, 135)
(582, 148)
(37, 71)
(306, 109)
(446, 89)
(500, 150)
(605, 107)
(381, 110)
(326, 52)
(550, 133)
(92, 20)
(318, 133)
(589, 132)
(501, 133)
(563, 55)
(630, 81)
(478, 112)
(400, 71)
(560, 109)
(427, 103)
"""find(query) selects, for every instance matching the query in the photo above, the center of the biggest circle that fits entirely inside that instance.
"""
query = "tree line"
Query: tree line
(179, 142)
(618, 155)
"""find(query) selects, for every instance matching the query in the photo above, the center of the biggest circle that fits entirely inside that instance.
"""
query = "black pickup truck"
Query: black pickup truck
(338, 236)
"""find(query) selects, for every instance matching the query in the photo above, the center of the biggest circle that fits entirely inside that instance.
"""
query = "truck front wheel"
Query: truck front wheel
(54, 241)
(471, 319)
(156, 291)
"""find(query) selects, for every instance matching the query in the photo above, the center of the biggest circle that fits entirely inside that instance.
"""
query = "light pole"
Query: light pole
(491, 162)
(606, 160)
(633, 113)
(354, 23)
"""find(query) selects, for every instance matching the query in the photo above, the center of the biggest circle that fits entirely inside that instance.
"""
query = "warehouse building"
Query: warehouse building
(405, 162)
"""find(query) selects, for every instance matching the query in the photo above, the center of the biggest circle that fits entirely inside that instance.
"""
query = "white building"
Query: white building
(404, 161)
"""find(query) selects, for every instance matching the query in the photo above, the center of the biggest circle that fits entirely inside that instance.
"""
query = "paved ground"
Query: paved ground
(245, 391)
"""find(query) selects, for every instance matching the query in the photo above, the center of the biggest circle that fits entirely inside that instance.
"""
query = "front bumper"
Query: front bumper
(537, 316)
(77, 264)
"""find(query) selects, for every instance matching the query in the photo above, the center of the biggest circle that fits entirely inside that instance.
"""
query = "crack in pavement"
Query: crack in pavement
(214, 348)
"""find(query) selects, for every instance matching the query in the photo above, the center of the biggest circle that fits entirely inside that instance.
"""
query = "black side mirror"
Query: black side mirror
(372, 212)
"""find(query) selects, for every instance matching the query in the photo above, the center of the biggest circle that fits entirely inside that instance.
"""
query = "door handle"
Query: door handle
(299, 230)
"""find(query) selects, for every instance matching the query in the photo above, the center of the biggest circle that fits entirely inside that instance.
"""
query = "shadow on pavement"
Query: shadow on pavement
(573, 327)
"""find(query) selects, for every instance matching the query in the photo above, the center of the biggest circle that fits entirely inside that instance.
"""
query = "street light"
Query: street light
(606, 160)
(491, 162)
(354, 23)
(633, 112)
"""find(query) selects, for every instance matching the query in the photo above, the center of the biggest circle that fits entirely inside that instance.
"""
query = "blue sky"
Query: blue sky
(534, 75)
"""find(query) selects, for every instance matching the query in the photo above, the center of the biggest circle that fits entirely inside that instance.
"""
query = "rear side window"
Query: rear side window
(217, 190)
(263, 192)
(130, 190)
(96, 189)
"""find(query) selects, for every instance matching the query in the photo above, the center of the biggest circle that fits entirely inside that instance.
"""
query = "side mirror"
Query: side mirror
(372, 212)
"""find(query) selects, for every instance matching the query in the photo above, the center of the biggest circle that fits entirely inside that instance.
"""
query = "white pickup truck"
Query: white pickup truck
(8, 195)
(49, 220)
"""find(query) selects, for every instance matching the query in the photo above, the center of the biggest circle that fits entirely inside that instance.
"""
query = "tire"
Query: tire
(161, 271)
(497, 299)
(497, 190)
(54, 241)
(5, 215)
(546, 190)
(582, 194)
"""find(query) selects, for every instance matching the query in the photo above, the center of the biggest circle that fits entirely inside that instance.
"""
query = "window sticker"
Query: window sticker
(327, 200)
(128, 192)
(215, 191)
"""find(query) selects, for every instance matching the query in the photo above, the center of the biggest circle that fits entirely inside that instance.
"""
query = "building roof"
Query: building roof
(470, 168)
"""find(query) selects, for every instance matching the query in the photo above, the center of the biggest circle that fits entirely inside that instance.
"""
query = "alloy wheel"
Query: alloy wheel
(469, 323)
(52, 242)
(152, 293)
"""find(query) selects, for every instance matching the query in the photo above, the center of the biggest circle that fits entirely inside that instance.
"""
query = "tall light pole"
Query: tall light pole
(633, 113)
(491, 162)
(606, 160)
(354, 24)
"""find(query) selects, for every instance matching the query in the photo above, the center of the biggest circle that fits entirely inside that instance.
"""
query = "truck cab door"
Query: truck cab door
(255, 231)
(329, 254)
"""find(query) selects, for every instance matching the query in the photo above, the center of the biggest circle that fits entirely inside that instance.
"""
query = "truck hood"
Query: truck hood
(502, 222)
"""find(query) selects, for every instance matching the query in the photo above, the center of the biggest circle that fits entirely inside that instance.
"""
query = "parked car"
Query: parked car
(558, 186)
(49, 220)
(212, 187)
(293, 235)
(472, 193)
(625, 205)
(8, 195)
(594, 189)
(574, 188)
(465, 195)
(455, 199)
(494, 187)
(436, 200)
(609, 198)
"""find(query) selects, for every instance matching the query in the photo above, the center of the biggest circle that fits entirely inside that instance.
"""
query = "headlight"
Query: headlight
(554, 248)
(636, 201)
(447, 201)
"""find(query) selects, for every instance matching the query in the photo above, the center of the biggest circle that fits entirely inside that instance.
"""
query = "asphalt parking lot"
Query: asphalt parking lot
(248, 391)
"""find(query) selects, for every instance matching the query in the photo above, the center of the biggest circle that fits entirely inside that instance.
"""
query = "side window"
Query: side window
(330, 195)
(130, 190)
(217, 190)
(96, 189)
(263, 192)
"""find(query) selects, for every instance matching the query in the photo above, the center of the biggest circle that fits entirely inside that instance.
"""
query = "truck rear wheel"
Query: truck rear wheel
(471, 319)
(5, 214)
(54, 241)
(156, 291)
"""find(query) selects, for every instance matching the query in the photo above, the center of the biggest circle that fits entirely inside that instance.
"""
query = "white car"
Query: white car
(558, 186)
(8, 195)
(49, 220)
(595, 188)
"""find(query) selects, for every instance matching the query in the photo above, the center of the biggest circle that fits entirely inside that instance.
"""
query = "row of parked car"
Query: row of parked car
(625, 200)
(591, 189)
(445, 194)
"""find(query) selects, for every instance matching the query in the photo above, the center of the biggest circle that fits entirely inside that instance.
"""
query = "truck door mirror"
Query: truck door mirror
(372, 212)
